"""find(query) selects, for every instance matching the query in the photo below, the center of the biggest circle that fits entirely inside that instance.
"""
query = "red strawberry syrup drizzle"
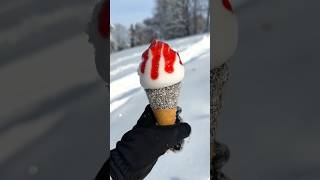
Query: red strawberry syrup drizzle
(170, 57)
(144, 60)
(156, 54)
(168, 54)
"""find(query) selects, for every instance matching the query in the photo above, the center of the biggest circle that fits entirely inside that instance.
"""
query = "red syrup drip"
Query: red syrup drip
(156, 54)
(145, 56)
(227, 5)
(144, 60)
(104, 20)
(169, 58)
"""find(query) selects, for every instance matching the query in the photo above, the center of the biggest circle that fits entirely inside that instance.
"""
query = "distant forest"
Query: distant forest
(171, 19)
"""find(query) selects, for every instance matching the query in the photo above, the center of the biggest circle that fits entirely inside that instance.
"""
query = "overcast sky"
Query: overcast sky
(127, 12)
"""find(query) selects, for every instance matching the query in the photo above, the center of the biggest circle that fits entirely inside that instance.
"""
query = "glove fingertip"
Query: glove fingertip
(147, 118)
(184, 130)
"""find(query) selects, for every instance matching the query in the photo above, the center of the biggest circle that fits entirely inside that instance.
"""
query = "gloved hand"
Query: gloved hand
(140, 148)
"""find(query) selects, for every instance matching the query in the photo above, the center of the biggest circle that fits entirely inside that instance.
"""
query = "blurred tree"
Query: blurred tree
(119, 37)
(200, 16)
(142, 34)
(132, 36)
(172, 18)
(195, 16)
(113, 43)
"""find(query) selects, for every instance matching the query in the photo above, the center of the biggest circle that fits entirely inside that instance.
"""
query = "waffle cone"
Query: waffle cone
(163, 102)
(165, 117)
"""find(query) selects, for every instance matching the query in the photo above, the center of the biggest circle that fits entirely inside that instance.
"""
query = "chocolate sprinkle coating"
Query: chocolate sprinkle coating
(164, 98)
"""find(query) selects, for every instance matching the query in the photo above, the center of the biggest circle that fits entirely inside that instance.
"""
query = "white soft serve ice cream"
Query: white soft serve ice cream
(225, 32)
(161, 66)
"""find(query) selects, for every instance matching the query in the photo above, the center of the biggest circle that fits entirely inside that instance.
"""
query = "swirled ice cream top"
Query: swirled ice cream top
(161, 66)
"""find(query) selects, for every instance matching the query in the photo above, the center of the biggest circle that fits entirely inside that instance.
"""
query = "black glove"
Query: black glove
(139, 149)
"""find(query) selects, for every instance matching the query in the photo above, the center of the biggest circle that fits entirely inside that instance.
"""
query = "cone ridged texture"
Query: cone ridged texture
(165, 117)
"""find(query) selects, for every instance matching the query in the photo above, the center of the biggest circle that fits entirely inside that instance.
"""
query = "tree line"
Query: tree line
(171, 19)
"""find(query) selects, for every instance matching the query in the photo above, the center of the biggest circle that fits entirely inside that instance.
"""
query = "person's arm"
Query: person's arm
(139, 149)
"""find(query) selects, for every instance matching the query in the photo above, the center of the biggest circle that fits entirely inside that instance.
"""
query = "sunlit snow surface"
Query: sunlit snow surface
(128, 101)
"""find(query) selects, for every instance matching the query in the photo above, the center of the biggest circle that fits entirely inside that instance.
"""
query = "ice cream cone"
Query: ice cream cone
(161, 72)
(163, 102)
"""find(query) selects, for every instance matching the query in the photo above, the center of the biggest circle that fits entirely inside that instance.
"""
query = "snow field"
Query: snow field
(128, 101)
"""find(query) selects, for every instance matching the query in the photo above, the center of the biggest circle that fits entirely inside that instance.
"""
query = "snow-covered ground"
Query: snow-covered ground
(128, 100)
